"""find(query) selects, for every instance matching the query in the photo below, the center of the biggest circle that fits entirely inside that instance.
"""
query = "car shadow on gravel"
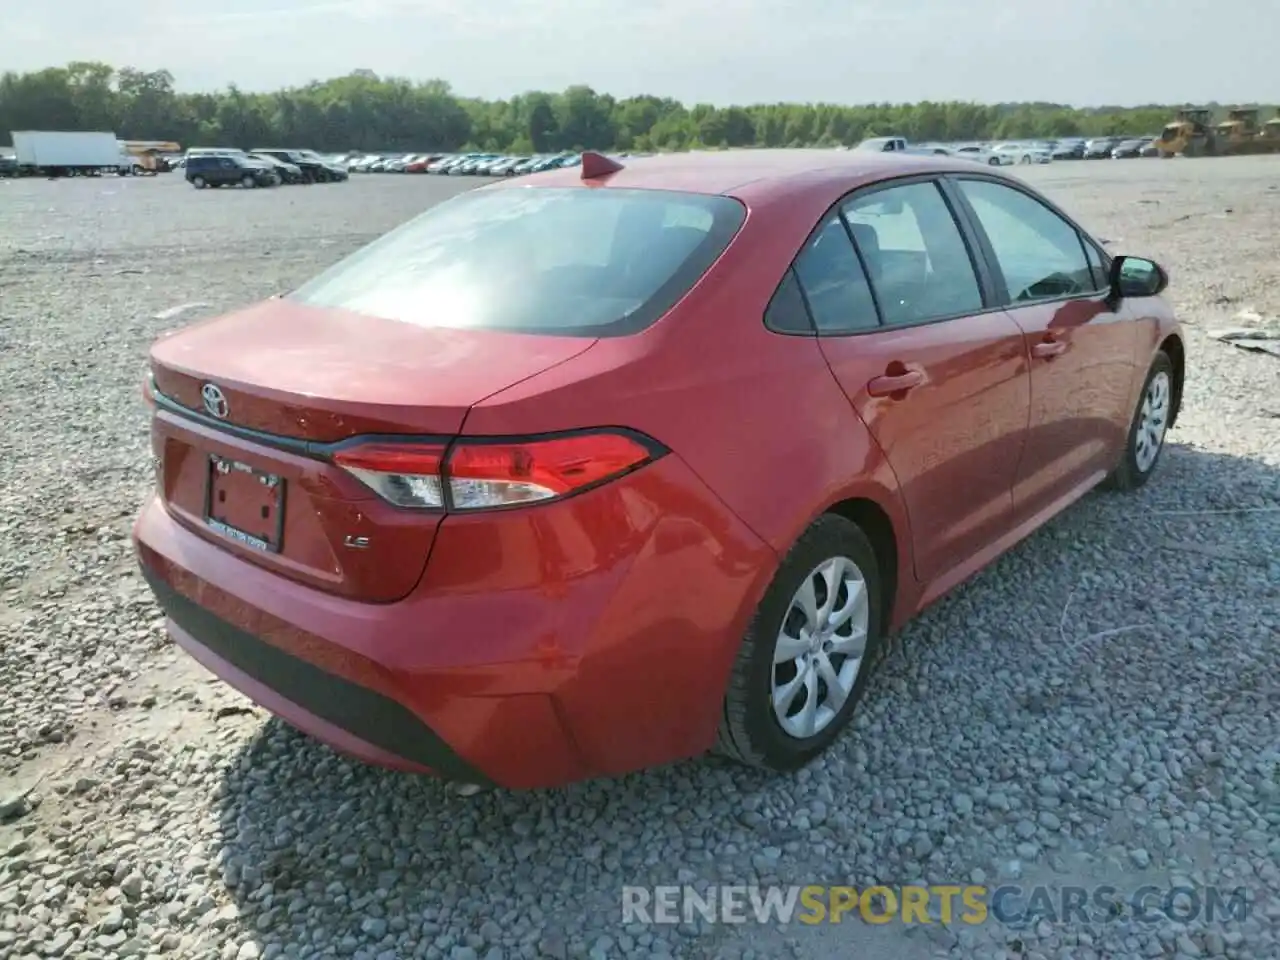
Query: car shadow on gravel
(1074, 699)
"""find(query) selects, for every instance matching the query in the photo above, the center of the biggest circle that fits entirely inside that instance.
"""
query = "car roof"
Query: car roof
(754, 175)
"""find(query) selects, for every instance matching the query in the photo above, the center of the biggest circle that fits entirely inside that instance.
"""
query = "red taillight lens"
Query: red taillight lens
(406, 474)
(483, 473)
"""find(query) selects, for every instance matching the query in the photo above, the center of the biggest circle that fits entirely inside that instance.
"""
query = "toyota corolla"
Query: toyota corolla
(610, 466)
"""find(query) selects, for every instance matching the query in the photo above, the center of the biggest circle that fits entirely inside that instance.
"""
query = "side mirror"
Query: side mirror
(1137, 277)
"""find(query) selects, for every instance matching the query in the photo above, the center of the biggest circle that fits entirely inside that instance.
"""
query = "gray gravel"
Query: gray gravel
(1100, 706)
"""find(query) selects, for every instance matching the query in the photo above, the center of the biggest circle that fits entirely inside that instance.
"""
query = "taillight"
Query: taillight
(406, 474)
(475, 473)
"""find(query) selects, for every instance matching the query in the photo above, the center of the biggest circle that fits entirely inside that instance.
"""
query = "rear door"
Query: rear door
(939, 378)
(1083, 349)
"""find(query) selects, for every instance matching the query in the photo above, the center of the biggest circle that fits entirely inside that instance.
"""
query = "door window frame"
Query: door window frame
(974, 227)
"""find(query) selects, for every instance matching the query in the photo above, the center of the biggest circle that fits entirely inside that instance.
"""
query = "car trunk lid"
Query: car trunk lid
(246, 464)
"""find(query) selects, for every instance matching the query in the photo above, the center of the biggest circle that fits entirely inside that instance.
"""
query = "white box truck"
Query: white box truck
(54, 153)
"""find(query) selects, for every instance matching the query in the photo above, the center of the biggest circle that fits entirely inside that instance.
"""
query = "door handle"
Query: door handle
(895, 383)
(1048, 348)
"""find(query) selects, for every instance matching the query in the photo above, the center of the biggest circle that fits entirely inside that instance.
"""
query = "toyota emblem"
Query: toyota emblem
(214, 401)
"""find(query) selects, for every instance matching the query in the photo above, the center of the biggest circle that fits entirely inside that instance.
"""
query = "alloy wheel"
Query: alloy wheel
(1152, 422)
(820, 648)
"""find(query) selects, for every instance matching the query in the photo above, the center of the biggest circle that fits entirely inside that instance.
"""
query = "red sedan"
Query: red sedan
(612, 465)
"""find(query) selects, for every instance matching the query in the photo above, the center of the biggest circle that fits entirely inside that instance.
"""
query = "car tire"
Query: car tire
(248, 182)
(198, 183)
(993, 162)
(1148, 428)
(752, 729)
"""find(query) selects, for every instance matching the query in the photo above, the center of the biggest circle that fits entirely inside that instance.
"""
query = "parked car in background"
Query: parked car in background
(1100, 148)
(444, 506)
(1023, 152)
(229, 169)
(288, 172)
(505, 167)
(536, 164)
(467, 166)
(315, 169)
(1127, 149)
(1069, 149)
(979, 154)
(8, 166)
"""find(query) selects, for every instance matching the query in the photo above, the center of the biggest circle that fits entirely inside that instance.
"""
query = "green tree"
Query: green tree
(366, 111)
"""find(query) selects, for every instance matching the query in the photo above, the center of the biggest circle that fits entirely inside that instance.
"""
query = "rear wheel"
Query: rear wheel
(248, 182)
(1147, 431)
(993, 162)
(808, 652)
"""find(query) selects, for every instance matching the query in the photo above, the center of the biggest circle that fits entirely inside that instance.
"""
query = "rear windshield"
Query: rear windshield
(571, 261)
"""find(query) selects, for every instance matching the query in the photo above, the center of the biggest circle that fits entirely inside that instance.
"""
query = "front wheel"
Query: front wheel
(1147, 431)
(198, 183)
(993, 162)
(807, 655)
(248, 182)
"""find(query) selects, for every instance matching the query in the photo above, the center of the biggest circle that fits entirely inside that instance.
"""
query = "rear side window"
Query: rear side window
(918, 261)
(787, 312)
(834, 284)
(565, 261)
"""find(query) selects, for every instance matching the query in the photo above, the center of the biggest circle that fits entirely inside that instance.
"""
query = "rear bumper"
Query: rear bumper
(354, 719)
(604, 651)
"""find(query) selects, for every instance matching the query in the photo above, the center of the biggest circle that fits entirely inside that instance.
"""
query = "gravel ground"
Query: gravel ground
(1101, 705)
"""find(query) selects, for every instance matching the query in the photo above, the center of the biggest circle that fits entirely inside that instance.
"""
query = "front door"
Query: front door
(1083, 350)
(939, 379)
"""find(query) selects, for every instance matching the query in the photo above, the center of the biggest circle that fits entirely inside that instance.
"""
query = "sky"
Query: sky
(1083, 52)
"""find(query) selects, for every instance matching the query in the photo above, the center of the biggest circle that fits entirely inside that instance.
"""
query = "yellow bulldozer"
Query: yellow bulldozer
(1271, 131)
(1240, 133)
(150, 156)
(1192, 134)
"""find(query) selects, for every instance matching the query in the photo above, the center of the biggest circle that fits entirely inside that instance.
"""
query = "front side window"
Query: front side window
(1039, 253)
(915, 254)
(568, 261)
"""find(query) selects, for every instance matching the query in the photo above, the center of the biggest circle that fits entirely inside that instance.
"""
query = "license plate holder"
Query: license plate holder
(245, 504)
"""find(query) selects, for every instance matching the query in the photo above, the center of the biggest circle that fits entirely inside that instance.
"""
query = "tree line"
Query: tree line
(362, 111)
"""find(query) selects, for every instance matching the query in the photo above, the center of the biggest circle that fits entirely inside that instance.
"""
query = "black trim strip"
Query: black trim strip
(304, 448)
(324, 450)
(372, 717)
